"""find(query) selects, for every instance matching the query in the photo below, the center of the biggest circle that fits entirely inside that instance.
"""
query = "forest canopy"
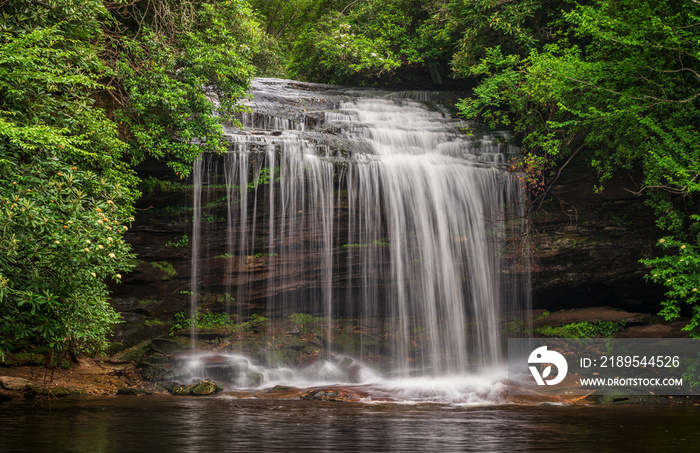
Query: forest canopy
(90, 88)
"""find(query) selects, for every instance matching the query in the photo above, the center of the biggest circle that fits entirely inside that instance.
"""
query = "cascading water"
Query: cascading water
(367, 207)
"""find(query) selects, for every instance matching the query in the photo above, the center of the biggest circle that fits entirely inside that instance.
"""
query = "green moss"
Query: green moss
(349, 343)
(592, 329)
(165, 267)
(261, 254)
(371, 244)
(202, 388)
(133, 353)
(305, 318)
(36, 390)
(154, 322)
(147, 302)
(224, 256)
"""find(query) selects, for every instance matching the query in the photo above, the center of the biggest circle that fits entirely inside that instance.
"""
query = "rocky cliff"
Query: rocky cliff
(586, 246)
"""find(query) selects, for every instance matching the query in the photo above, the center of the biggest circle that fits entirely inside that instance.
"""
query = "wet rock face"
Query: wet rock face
(588, 246)
(587, 254)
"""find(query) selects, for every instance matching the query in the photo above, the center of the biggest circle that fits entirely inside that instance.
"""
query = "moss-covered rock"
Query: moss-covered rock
(330, 395)
(206, 388)
(133, 354)
(158, 359)
(167, 270)
(153, 372)
(167, 346)
(23, 358)
(202, 388)
(37, 390)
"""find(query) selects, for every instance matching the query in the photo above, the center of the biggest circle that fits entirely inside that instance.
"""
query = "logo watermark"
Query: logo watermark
(612, 366)
(542, 356)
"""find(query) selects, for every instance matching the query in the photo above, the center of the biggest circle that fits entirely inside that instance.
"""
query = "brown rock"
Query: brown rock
(593, 314)
(16, 384)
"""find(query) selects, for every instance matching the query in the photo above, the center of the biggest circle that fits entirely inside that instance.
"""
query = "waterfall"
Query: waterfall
(373, 207)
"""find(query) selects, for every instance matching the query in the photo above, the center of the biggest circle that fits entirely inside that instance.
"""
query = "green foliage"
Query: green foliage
(679, 270)
(149, 185)
(64, 193)
(368, 42)
(584, 329)
(263, 178)
(305, 319)
(203, 320)
(544, 314)
(219, 321)
(336, 54)
(162, 65)
(514, 327)
(263, 254)
(515, 28)
(282, 18)
(692, 373)
(283, 21)
(614, 83)
(168, 71)
(225, 256)
(184, 241)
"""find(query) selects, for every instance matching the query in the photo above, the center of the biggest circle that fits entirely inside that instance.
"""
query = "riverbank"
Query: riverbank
(88, 377)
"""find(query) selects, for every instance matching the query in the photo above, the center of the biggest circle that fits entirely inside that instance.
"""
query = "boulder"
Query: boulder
(202, 388)
(133, 354)
(166, 346)
(36, 390)
(14, 384)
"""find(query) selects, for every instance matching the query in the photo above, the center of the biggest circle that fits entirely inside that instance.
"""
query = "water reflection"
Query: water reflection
(170, 424)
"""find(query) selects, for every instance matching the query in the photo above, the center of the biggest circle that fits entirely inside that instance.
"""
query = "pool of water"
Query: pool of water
(223, 424)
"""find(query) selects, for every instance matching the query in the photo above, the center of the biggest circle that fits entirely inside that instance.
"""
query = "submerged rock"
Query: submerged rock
(202, 388)
(330, 395)
(132, 391)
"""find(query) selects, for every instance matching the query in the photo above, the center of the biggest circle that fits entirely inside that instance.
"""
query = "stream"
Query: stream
(224, 424)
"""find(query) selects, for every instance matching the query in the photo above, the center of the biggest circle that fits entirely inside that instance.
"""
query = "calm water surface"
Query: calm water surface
(172, 424)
